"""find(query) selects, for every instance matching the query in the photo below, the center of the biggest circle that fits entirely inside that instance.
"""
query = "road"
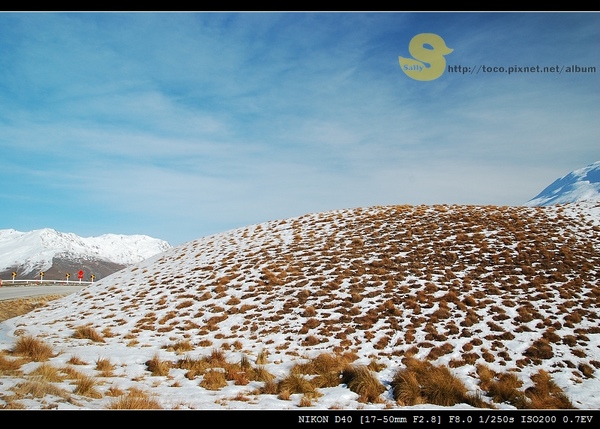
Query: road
(16, 292)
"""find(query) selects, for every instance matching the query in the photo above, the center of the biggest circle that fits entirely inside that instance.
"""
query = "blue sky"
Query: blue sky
(182, 125)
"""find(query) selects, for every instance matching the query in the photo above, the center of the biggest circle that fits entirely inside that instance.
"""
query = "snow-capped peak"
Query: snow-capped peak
(35, 250)
(579, 185)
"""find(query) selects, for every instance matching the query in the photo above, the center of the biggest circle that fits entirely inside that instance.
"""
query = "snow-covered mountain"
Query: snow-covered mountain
(28, 253)
(579, 185)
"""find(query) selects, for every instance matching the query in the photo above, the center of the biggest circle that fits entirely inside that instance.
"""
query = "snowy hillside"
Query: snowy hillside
(579, 185)
(499, 303)
(34, 251)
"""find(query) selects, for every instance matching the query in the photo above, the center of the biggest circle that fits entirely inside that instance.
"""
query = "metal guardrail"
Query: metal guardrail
(43, 282)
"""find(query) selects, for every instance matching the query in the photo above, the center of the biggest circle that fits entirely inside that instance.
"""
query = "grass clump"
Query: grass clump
(214, 380)
(546, 394)
(47, 373)
(88, 333)
(181, 346)
(362, 381)
(326, 368)
(135, 400)
(39, 389)
(241, 373)
(406, 388)
(105, 366)
(158, 367)
(421, 382)
(76, 360)
(504, 388)
(86, 386)
(33, 348)
(295, 383)
(194, 367)
(9, 366)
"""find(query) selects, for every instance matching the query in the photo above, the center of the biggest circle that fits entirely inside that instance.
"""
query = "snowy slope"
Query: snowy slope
(579, 185)
(35, 250)
(511, 289)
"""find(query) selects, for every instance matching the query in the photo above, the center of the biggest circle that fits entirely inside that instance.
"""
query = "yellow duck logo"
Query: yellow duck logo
(428, 64)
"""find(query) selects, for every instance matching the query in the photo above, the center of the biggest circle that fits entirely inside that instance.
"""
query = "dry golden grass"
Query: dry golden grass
(180, 347)
(586, 370)
(269, 387)
(194, 367)
(260, 373)
(105, 366)
(72, 373)
(213, 380)
(114, 392)
(39, 389)
(362, 381)
(75, 360)
(421, 382)
(545, 394)
(262, 358)
(295, 383)
(441, 387)
(15, 307)
(135, 400)
(33, 348)
(506, 388)
(86, 386)
(48, 373)
(9, 365)
(88, 333)
(158, 367)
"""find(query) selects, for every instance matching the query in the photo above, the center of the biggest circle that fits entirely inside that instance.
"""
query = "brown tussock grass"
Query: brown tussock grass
(326, 368)
(86, 386)
(505, 388)
(586, 370)
(88, 333)
(362, 381)
(180, 347)
(36, 388)
(135, 400)
(114, 392)
(33, 348)
(76, 360)
(48, 373)
(158, 367)
(213, 380)
(295, 383)
(260, 373)
(15, 307)
(9, 366)
(546, 394)
(105, 366)
(194, 367)
(420, 382)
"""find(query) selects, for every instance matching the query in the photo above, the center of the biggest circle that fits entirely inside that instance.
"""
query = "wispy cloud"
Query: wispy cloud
(188, 123)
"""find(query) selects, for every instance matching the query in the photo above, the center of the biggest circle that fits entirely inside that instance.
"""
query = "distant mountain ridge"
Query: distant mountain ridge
(579, 185)
(57, 253)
